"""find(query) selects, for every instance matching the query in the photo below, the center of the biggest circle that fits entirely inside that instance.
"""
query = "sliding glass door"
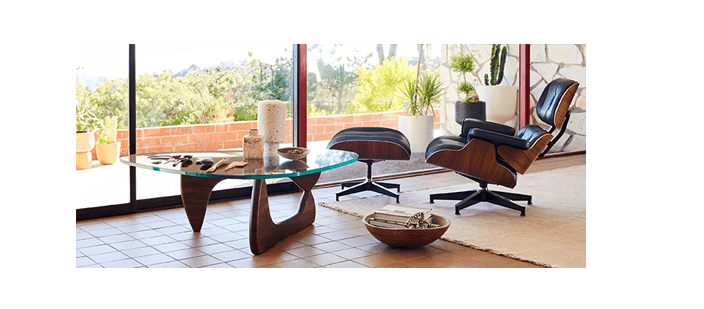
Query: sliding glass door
(360, 86)
(101, 91)
(187, 98)
(204, 98)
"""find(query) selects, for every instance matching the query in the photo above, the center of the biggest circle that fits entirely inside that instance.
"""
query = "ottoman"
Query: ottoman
(372, 145)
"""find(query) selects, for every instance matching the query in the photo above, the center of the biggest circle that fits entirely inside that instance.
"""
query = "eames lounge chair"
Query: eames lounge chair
(488, 152)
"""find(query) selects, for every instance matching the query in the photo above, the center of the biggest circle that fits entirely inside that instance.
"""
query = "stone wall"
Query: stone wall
(548, 62)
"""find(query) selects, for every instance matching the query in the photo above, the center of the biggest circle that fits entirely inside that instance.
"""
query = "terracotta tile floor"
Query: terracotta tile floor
(164, 239)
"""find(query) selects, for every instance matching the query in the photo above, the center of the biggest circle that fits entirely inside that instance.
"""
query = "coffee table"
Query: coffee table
(264, 233)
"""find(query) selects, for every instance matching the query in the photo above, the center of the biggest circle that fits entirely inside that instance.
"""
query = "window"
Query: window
(188, 98)
(204, 98)
(358, 85)
(101, 91)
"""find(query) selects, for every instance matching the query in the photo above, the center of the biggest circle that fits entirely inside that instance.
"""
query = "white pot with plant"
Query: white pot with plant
(108, 149)
(418, 124)
(501, 100)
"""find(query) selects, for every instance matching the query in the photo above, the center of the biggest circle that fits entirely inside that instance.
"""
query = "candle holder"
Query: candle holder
(271, 121)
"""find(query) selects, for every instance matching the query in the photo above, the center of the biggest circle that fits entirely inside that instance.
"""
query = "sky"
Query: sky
(110, 61)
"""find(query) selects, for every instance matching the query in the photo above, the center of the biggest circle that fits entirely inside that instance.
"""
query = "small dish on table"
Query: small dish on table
(293, 153)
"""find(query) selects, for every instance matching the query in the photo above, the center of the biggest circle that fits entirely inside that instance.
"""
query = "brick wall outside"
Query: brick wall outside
(204, 137)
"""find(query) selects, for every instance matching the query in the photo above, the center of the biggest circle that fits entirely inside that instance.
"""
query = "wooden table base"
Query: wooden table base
(263, 232)
(195, 193)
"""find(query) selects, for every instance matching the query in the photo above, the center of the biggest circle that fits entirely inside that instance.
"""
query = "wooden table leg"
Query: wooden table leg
(263, 232)
(195, 193)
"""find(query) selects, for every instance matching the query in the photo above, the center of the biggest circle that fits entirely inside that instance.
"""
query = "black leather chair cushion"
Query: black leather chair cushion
(445, 142)
(531, 133)
(550, 99)
(372, 134)
(498, 139)
(524, 139)
(470, 123)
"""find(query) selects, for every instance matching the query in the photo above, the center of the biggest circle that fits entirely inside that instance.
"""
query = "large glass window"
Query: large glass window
(203, 98)
(101, 91)
(361, 85)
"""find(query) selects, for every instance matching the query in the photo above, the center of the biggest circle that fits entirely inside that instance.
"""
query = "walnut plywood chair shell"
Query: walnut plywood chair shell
(488, 152)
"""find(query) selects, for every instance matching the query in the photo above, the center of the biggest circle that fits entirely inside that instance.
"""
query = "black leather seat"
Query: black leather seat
(372, 144)
(493, 153)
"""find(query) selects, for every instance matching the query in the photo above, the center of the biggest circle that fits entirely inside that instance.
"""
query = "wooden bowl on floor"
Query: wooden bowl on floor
(408, 238)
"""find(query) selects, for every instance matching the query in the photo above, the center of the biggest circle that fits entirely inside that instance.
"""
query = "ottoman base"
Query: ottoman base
(369, 185)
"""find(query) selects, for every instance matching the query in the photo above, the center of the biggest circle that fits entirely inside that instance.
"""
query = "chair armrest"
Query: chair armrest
(471, 123)
(498, 138)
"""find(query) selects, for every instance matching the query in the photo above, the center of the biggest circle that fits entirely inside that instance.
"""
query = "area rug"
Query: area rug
(553, 233)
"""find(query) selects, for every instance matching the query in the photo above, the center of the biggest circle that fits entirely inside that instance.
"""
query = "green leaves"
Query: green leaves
(208, 96)
(379, 87)
(421, 95)
(462, 63)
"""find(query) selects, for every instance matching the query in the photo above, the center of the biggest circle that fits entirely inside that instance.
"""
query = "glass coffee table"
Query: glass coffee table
(197, 184)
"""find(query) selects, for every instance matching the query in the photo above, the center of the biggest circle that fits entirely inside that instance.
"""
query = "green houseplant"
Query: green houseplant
(496, 66)
(501, 100)
(419, 97)
(470, 106)
(108, 149)
(86, 126)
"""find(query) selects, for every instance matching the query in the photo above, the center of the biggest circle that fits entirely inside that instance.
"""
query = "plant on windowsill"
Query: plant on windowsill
(470, 107)
(108, 149)
(86, 126)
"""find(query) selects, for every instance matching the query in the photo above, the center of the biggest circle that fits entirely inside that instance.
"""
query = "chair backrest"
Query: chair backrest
(552, 109)
(555, 101)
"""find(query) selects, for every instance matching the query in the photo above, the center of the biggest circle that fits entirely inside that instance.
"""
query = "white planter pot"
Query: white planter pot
(418, 130)
(500, 103)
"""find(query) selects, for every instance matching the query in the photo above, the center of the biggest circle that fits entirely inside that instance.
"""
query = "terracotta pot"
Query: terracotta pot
(108, 153)
(84, 160)
(85, 141)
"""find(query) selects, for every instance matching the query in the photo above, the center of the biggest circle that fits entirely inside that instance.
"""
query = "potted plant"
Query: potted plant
(418, 124)
(470, 107)
(86, 126)
(501, 99)
(108, 149)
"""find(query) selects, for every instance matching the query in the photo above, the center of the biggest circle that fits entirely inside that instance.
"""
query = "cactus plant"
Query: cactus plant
(496, 67)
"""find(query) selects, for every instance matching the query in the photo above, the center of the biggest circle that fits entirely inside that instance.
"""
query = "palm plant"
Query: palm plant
(420, 95)
(429, 92)
(409, 89)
